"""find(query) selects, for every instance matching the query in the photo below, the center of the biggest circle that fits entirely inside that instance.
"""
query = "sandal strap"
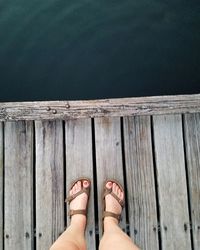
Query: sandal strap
(78, 211)
(83, 190)
(109, 191)
(116, 216)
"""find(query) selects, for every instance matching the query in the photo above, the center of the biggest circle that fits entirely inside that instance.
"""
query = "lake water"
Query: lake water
(67, 49)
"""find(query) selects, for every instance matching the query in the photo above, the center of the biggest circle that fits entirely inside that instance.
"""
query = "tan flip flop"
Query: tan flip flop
(105, 192)
(72, 197)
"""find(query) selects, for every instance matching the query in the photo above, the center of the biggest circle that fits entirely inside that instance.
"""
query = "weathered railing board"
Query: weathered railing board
(49, 182)
(170, 165)
(51, 110)
(79, 162)
(140, 182)
(1, 186)
(192, 139)
(18, 185)
(108, 157)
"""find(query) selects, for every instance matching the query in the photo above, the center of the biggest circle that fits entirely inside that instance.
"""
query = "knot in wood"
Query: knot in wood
(27, 235)
(185, 227)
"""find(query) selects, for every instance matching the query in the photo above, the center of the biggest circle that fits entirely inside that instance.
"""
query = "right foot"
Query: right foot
(112, 205)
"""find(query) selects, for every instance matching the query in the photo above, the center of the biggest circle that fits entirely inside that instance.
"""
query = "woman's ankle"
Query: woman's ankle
(78, 221)
(110, 223)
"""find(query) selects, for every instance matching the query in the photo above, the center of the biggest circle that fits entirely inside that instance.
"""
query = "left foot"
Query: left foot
(80, 202)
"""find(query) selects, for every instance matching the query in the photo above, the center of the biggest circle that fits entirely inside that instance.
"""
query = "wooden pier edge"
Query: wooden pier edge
(52, 110)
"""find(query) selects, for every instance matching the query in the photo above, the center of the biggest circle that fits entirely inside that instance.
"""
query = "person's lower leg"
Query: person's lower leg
(114, 238)
(73, 237)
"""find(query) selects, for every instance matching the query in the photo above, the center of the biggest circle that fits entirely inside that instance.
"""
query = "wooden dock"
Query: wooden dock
(151, 145)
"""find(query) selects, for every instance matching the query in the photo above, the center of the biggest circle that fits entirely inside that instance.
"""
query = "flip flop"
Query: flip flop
(105, 192)
(72, 197)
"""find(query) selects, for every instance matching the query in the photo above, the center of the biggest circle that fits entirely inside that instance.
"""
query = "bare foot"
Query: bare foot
(112, 205)
(80, 202)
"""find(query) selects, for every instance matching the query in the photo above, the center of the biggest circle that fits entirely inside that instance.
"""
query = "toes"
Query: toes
(74, 189)
(86, 183)
(114, 187)
(78, 186)
(119, 192)
(109, 185)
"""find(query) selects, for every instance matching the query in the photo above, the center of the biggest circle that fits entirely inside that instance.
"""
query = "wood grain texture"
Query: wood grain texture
(108, 157)
(1, 186)
(79, 163)
(140, 182)
(192, 141)
(18, 214)
(49, 182)
(170, 165)
(51, 110)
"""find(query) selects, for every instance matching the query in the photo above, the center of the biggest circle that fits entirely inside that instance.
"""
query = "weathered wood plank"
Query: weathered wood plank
(50, 110)
(79, 163)
(170, 165)
(108, 157)
(1, 186)
(192, 139)
(18, 185)
(49, 182)
(140, 182)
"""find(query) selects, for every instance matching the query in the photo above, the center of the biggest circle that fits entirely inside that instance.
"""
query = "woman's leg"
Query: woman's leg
(114, 238)
(73, 237)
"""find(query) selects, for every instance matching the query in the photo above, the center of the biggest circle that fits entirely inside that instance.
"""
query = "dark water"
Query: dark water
(84, 49)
